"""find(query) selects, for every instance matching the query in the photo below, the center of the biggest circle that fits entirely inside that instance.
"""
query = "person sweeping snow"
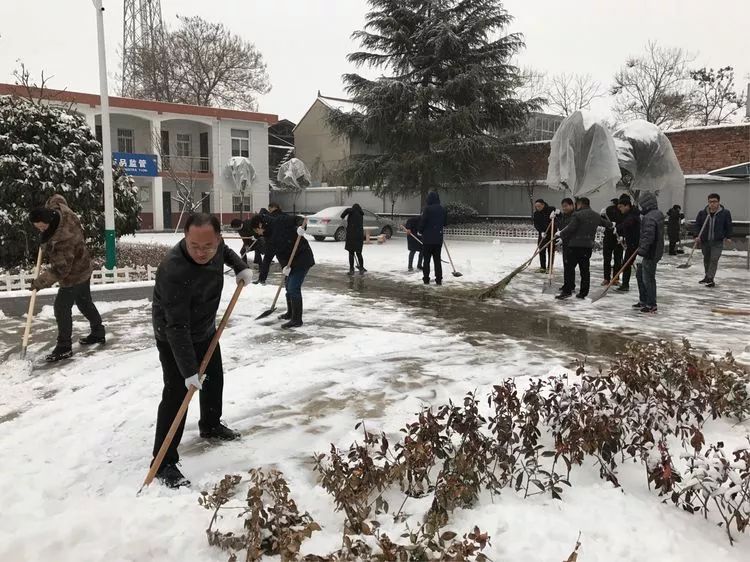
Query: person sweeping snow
(413, 243)
(187, 291)
(355, 237)
(64, 248)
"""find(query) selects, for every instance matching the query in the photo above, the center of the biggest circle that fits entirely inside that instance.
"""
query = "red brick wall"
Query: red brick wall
(698, 151)
(702, 150)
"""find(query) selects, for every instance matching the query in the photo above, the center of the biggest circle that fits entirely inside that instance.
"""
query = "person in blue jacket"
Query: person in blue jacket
(711, 239)
(431, 225)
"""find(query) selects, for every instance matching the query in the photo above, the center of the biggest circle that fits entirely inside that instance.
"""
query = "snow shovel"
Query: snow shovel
(283, 278)
(455, 273)
(189, 396)
(22, 364)
(500, 285)
(695, 245)
(603, 292)
(548, 287)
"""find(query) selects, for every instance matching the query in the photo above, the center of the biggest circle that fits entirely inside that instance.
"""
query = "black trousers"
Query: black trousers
(174, 393)
(542, 253)
(567, 276)
(411, 259)
(626, 274)
(360, 260)
(611, 248)
(80, 295)
(581, 258)
(265, 266)
(433, 251)
(673, 239)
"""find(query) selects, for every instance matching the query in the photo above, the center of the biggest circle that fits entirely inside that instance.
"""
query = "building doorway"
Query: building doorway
(166, 201)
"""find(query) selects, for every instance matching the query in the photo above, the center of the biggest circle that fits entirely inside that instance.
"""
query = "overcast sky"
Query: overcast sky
(305, 42)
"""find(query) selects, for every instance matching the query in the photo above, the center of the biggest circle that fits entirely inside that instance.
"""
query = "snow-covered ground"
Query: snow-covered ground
(76, 438)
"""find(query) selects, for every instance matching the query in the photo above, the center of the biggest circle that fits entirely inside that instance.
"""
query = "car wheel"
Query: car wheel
(388, 231)
(340, 234)
(319, 238)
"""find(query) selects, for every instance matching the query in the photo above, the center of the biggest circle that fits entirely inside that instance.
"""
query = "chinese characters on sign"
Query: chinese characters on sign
(136, 164)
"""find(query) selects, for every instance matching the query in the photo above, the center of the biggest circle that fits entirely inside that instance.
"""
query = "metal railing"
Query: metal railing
(186, 164)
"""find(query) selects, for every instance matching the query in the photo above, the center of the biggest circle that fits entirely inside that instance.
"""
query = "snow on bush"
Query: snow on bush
(46, 150)
(655, 397)
(459, 213)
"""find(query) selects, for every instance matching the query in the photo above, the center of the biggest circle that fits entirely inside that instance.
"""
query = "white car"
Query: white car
(328, 222)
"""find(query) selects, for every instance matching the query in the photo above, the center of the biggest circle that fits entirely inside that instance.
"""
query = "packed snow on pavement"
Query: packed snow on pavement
(76, 445)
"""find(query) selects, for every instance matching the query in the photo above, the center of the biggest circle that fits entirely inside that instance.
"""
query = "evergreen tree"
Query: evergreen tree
(448, 105)
(46, 150)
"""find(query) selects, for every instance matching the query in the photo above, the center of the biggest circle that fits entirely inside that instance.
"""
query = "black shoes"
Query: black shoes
(704, 281)
(580, 296)
(60, 352)
(439, 283)
(649, 310)
(219, 431)
(710, 284)
(563, 296)
(623, 288)
(362, 271)
(638, 305)
(288, 314)
(426, 281)
(93, 339)
(351, 272)
(171, 477)
(295, 319)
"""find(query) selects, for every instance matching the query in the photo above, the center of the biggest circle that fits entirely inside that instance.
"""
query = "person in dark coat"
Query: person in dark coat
(542, 213)
(187, 291)
(413, 243)
(355, 236)
(611, 247)
(674, 222)
(274, 210)
(711, 240)
(64, 249)
(650, 251)
(562, 219)
(579, 235)
(282, 231)
(629, 232)
(250, 241)
(431, 225)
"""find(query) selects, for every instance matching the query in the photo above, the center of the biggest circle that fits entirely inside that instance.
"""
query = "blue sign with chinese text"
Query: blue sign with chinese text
(136, 164)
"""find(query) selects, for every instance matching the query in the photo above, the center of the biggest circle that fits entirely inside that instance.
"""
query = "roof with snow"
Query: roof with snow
(347, 106)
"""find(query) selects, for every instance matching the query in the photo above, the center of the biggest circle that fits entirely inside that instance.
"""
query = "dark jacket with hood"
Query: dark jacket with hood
(412, 225)
(651, 244)
(630, 228)
(674, 218)
(281, 231)
(541, 218)
(719, 225)
(355, 233)
(433, 221)
(186, 298)
(581, 231)
(64, 248)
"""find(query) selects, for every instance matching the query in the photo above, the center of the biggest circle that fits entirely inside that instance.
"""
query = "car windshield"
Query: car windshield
(331, 212)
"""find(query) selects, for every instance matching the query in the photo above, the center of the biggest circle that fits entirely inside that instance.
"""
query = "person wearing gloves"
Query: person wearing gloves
(579, 235)
(711, 240)
(629, 232)
(355, 237)
(674, 223)
(611, 247)
(282, 232)
(187, 291)
(64, 249)
(541, 217)
(650, 251)
(562, 219)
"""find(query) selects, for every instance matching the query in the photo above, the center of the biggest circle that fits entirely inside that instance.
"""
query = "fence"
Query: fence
(101, 276)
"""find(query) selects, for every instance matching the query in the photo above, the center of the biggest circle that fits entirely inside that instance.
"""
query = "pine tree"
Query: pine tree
(448, 105)
(46, 150)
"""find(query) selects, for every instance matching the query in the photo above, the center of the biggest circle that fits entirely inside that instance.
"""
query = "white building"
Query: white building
(164, 145)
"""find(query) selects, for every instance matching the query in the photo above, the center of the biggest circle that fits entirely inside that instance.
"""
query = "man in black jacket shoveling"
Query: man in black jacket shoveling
(650, 251)
(629, 231)
(187, 292)
(611, 247)
(579, 236)
(542, 214)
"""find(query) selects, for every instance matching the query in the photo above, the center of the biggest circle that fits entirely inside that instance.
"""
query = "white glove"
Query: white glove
(558, 236)
(286, 271)
(300, 231)
(195, 381)
(603, 211)
(621, 240)
(246, 275)
(552, 215)
(638, 260)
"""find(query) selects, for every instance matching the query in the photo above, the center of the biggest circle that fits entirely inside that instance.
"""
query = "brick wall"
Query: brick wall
(698, 151)
(702, 150)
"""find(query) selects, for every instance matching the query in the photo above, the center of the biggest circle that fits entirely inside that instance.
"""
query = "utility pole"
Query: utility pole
(109, 202)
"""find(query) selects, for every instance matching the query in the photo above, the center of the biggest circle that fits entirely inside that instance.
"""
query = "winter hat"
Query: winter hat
(236, 224)
(42, 214)
(625, 200)
(615, 200)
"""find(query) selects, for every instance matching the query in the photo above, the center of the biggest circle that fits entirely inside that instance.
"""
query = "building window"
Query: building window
(241, 142)
(237, 203)
(98, 133)
(183, 145)
(125, 141)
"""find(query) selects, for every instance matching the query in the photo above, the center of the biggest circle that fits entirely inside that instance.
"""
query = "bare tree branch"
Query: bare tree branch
(715, 100)
(567, 93)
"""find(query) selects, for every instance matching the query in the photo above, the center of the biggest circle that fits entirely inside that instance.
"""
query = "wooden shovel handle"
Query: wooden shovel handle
(289, 264)
(191, 391)
(32, 302)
